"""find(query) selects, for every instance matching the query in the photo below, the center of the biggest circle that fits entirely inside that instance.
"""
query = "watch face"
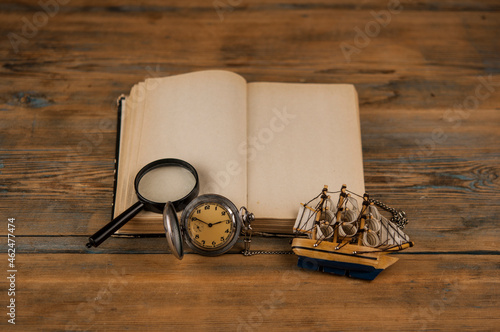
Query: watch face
(211, 224)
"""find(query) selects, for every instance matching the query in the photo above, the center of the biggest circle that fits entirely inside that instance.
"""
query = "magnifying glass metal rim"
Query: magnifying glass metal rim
(110, 228)
(179, 204)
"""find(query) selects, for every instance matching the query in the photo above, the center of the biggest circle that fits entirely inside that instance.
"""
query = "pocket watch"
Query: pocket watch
(210, 226)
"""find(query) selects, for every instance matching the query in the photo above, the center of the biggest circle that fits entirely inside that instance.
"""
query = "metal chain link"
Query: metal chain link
(247, 231)
(248, 252)
(264, 252)
(398, 217)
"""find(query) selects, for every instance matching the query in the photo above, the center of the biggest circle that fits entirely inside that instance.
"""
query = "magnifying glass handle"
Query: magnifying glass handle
(101, 235)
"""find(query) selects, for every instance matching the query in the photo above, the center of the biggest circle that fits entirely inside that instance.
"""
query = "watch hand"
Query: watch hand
(194, 219)
(206, 223)
(218, 222)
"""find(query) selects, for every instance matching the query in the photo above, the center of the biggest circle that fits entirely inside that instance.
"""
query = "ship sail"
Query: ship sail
(305, 220)
(348, 225)
(380, 232)
(317, 219)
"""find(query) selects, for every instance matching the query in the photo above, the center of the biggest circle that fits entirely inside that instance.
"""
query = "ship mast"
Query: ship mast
(321, 208)
(338, 216)
(366, 204)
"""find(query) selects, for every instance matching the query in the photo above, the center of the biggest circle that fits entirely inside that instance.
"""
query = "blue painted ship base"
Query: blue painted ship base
(358, 271)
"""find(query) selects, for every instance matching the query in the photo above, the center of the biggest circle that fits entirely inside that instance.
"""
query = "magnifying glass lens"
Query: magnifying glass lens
(165, 184)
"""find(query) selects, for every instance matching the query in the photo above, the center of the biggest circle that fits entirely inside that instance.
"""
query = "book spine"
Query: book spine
(119, 105)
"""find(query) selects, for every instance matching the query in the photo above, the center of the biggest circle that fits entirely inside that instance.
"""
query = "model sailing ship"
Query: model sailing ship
(345, 240)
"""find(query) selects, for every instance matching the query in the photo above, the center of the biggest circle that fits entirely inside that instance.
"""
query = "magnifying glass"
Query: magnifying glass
(165, 180)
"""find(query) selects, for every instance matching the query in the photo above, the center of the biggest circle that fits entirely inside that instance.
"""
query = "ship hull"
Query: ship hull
(350, 260)
(358, 271)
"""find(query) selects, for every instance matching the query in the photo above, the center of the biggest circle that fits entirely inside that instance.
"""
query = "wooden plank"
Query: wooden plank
(450, 210)
(149, 244)
(145, 244)
(419, 66)
(157, 292)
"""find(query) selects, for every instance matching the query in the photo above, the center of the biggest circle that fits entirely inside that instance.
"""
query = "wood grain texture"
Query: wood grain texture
(429, 89)
(157, 292)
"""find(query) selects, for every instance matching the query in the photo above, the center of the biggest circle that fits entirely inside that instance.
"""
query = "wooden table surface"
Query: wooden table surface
(428, 78)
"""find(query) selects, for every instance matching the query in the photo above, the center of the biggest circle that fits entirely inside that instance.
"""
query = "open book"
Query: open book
(266, 146)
